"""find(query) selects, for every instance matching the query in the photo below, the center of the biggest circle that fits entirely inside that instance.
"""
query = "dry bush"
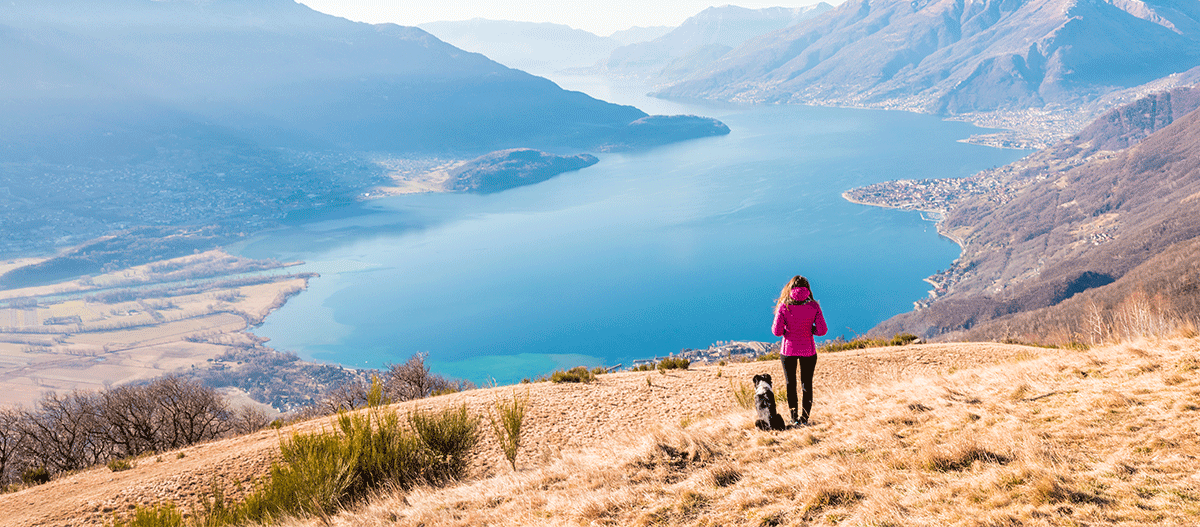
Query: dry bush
(249, 419)
(507, 419)
(668, 455)
(724, 475)
(829, 497)
(413, 380)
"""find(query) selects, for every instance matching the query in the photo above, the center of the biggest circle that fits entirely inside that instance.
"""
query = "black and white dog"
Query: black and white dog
(764, 404)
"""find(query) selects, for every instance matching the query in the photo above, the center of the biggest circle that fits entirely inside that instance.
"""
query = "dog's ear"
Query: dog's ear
(756, 378)
(766, 377)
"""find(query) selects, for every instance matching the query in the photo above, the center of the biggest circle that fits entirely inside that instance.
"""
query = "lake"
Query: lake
(640, 255)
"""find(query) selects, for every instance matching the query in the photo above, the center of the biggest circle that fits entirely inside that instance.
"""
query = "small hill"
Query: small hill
(949, 434)
(506, 169)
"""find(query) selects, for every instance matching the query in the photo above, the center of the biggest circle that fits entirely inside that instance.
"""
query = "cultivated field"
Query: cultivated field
(134, 324)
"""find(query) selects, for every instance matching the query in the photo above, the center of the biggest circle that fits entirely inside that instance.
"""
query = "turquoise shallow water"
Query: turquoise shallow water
(640, 255)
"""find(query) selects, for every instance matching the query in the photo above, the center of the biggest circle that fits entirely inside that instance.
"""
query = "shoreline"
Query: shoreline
(937, 222)
(136, 324)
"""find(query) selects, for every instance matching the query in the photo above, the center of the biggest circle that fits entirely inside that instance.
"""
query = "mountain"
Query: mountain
(703, 38)
(290, 75)
(528, 46)
(637, 34)
(164, 112)
(958, 56)
(1083, 226)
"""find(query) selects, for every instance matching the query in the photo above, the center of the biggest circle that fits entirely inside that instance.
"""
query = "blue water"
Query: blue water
(640, 255)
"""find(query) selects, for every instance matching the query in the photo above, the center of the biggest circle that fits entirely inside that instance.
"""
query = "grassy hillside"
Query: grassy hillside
(950, 434)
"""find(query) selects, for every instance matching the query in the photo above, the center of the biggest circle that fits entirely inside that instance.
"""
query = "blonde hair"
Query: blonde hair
(785, 296)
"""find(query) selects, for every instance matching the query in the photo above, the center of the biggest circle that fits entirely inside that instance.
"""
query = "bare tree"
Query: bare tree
(191, 412)
(62, 434)
(250, 419)
(12, 444)
(412, 380)
(134, 420)
(346, 396)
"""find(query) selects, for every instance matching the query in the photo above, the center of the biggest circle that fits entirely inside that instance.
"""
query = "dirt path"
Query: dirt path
(562, 417)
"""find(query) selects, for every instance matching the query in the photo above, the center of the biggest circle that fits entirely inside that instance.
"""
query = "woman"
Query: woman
(797, 318)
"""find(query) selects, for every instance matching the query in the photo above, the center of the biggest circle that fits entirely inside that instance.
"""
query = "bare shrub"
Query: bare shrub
(829, 497)
(1140, 317)
(345, 397)
(670, 455)
(250, 419)
(725, 475)
(956, 455)
(743, 394)
(413, 380)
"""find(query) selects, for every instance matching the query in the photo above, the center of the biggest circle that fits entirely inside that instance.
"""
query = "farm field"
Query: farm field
(134, 324)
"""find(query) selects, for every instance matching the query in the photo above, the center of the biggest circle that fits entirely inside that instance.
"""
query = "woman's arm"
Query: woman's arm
(819, 328)
(779, 327)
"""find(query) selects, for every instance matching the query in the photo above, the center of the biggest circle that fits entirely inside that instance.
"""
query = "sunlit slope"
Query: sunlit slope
(958, 434)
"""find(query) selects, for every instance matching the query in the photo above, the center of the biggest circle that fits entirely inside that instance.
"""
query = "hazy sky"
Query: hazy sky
(598, 16)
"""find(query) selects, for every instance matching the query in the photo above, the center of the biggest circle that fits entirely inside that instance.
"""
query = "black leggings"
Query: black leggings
(807, 365)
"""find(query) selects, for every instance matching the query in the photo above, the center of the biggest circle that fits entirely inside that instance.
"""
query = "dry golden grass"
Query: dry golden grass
(1099, 437)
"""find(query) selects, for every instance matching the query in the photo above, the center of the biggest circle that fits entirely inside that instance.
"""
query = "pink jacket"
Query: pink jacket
(797, 323)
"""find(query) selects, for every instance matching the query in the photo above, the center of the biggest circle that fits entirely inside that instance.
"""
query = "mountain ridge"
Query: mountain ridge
(957, 58)
(701, 39)
(536, 47)
(238, 111)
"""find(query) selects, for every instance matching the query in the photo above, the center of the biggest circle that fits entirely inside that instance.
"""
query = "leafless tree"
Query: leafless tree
(412, 380)
(12, 444)
(192, 412)
(62, 433)
(250, 419)
(346, 396)
(134, 420)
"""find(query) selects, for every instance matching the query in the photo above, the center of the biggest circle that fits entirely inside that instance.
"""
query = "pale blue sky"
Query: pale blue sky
(602, 17)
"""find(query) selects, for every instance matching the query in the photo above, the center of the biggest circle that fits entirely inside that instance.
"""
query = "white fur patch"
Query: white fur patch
(763, 387)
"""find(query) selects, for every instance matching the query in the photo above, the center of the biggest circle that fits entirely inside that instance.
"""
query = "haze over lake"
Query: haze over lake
(639, 256)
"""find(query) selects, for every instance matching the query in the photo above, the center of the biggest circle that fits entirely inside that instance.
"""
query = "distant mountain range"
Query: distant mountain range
(637, 34)
(955, 57)
(702, 39)
(539, 48)
(534, 47)
(1107, 215)
(151, 112)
